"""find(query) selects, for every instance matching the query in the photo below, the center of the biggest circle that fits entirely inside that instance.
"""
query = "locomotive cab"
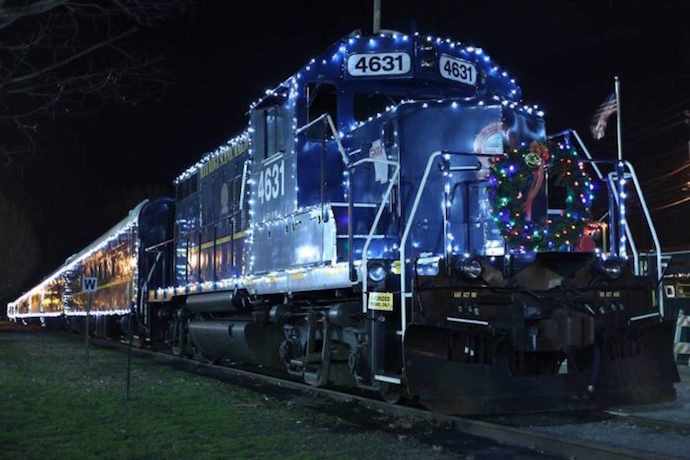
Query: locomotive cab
(300, 172)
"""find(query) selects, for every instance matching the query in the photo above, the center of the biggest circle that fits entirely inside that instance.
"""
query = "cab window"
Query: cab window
(274, 124)
(322, 98)
(371, 104)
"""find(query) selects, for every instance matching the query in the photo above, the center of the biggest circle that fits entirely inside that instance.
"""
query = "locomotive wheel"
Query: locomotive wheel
(390, 393)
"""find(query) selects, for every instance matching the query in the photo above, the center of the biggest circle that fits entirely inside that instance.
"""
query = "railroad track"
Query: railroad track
(655, 423)
(502, 433)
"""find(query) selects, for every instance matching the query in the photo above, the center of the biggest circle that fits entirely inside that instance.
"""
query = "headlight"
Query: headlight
(427, 266)
(376, 272)
(613, 269)
(470, 268)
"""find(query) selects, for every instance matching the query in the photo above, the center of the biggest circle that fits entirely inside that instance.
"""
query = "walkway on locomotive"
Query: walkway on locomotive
(299, 178)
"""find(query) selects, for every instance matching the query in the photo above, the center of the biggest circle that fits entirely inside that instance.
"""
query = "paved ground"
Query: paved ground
(617, 432)
(678, 410)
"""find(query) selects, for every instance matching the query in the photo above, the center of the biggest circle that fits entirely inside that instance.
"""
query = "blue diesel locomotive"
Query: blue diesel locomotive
(384, 223)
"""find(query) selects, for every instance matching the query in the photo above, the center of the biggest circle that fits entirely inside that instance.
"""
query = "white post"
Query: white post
(618, 117)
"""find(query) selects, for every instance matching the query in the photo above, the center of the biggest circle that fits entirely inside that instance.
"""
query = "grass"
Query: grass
(55, 405)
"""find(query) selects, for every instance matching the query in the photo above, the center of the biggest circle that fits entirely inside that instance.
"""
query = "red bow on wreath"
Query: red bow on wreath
(537, 177)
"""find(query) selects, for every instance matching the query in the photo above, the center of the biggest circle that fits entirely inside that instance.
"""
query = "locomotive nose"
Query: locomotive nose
(519, 339)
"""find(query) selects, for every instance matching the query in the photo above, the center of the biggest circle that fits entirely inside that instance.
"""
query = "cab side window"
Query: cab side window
(274, 137)
(269, 123)
(321, 98)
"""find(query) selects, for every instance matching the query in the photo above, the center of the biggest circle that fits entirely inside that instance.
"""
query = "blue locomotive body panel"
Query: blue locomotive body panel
(299, 182)
(210, 222)
(409, 135)
(393, 97)
(299, 170)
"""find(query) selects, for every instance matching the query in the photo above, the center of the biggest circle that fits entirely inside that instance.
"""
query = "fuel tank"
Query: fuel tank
(241, 341)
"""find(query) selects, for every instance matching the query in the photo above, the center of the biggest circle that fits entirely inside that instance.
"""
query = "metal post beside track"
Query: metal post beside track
(129, 348)
(86, 327)
(43, 335)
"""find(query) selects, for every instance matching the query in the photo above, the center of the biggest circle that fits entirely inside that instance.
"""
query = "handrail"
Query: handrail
(410, 219)
(593, 162)
(331, 125)
(242, 187)
(628, 232)
(640, 196)
(650, 224)
(567, 132)
(158, 245)
(374, 225)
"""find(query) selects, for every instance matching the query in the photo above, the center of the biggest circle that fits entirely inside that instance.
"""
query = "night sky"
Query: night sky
(89, 170)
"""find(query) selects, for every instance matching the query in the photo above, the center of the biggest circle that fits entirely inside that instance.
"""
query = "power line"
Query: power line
(664, 154)
(659, 130)
(669, 174)
(670, 205)
(644, 135)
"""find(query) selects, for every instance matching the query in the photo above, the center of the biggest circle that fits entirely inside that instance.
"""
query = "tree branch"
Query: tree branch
(10, 14)
(72, 58)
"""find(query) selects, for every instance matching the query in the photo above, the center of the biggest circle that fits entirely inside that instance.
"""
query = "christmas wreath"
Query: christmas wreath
(516, 179)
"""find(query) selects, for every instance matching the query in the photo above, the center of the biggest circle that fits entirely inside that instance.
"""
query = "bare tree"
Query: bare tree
(18, 248)
(59, 57)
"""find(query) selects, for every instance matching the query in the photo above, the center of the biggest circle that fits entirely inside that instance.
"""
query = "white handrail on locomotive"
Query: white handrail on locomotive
(611, 186)
(410, 219)
(336, 134)
(628, 233)
(643, 203)
(657, 245)
(379, 212)
(584, 148)
(611, 180)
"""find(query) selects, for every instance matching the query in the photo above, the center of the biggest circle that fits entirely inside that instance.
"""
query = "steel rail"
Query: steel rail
(659, 424)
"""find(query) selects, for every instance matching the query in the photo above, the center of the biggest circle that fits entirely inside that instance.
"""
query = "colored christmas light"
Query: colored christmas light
(526, 168)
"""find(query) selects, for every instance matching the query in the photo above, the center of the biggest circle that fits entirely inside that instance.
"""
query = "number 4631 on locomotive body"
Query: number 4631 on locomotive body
(387, 222)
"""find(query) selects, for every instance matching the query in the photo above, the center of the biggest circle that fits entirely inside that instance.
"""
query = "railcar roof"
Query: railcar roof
(99, 243)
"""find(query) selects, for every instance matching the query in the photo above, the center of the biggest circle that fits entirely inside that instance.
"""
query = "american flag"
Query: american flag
(605, 110)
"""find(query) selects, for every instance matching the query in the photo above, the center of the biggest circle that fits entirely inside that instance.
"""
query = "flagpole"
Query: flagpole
(618, 117)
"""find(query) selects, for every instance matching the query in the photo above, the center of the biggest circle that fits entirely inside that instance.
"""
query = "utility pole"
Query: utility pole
(618, 118)
(377, 16)
(686, 114)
